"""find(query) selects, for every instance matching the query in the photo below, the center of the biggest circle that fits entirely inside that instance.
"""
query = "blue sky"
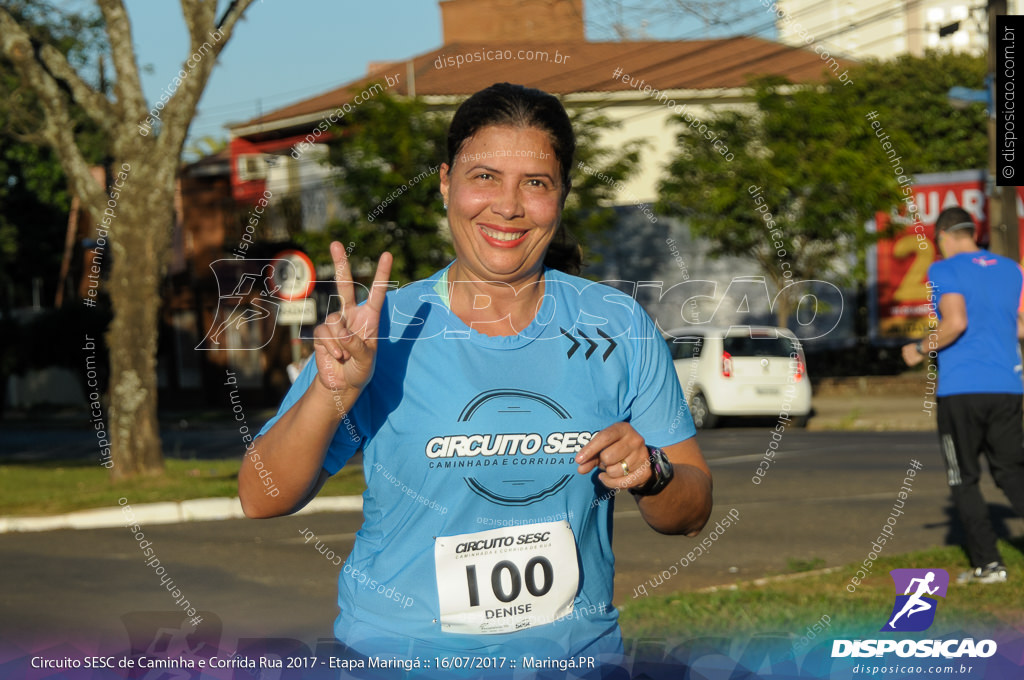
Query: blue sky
(287, 50)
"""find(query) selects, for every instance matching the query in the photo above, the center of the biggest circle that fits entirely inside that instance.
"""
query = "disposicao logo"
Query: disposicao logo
(914, 611)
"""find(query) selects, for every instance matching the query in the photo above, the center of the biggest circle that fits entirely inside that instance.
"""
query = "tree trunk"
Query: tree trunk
(138, 211)
(141, 236)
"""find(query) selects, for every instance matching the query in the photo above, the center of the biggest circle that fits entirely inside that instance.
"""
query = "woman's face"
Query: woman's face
(504, 196)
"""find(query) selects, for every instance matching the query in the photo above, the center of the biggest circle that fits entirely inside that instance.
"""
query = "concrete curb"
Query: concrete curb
(195, 510)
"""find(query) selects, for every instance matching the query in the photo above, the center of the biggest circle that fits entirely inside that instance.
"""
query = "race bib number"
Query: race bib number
(508, 579)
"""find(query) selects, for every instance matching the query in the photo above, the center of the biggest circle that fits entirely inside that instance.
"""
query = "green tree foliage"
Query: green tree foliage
(820, 166)
(812, 157)
(34, 199)
(33, 219)
(389, 152)
(207, 145)
(910, 95)
(588, 213)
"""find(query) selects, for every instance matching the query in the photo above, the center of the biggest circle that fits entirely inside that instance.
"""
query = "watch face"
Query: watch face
(661, 473)
(665, 466)
(663, 470)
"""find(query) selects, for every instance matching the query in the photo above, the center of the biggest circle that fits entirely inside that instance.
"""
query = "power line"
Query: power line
(782, 49)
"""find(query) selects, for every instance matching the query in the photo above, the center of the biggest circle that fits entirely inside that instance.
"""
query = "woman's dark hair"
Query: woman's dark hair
(524, 107)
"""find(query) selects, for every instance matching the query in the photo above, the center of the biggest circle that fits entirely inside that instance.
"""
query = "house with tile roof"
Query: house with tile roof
(640, 84)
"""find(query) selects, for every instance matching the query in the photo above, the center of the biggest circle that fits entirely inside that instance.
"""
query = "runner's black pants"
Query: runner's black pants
(970, 424)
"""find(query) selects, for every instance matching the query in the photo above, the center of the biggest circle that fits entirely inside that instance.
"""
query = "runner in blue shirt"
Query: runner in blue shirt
(499, 405)
(979, 393)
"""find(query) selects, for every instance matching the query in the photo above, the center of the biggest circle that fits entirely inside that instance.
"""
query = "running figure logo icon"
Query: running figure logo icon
(914, 610)
(257, 308)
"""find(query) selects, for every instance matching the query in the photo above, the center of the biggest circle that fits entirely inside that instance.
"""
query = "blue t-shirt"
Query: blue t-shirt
(465, 434)
(986, 357)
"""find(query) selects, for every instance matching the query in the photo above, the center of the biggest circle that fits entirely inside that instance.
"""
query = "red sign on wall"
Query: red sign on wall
(901, 263)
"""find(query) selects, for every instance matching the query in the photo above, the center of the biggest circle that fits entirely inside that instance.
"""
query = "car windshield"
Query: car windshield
(746, 346)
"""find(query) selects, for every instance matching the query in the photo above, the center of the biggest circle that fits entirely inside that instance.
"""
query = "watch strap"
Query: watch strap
(661, 473)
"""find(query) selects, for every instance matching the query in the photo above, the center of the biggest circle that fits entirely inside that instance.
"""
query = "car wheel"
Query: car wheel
(801, 421)
(703, 418)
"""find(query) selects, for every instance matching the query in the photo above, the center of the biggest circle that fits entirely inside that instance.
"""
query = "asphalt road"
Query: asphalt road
(825, 496)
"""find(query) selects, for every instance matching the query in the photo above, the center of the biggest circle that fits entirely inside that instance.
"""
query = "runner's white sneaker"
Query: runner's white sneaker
(993, 572)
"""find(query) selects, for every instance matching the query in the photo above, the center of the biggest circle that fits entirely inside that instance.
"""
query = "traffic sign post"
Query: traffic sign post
(296, 278)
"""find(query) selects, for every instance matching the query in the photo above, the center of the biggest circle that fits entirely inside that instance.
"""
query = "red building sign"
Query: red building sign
(901, 263)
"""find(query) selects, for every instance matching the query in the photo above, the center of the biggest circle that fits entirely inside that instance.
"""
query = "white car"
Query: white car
(741, 371)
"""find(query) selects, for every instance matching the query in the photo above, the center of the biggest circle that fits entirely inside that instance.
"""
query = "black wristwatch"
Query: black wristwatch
(661, 473)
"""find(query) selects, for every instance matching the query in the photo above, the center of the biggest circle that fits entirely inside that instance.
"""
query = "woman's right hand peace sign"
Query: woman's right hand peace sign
(345, 344)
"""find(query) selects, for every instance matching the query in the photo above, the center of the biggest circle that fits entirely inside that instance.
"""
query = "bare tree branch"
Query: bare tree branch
(95, 104)
(58, 126)
(629, 20)
(127, 86)
(231, 16)
(181, 106)
(34, 138)
(194, 12)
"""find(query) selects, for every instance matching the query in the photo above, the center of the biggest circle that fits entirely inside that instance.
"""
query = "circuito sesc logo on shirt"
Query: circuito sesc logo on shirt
(510, 427)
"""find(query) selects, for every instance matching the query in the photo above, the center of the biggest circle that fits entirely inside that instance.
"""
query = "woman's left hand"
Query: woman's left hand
(621, 453)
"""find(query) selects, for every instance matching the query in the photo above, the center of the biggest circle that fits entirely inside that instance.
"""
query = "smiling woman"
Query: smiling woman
(503, 212)
(456, 408)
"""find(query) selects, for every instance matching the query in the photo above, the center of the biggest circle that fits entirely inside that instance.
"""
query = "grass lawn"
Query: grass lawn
(56, 487)
(785, 606)
(792, 605)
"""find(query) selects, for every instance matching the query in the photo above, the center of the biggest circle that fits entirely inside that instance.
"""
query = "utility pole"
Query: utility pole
(1004, 229)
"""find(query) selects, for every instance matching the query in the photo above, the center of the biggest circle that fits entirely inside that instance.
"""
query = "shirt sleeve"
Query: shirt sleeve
(943, 279)
(346, 439)
(658, 411)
